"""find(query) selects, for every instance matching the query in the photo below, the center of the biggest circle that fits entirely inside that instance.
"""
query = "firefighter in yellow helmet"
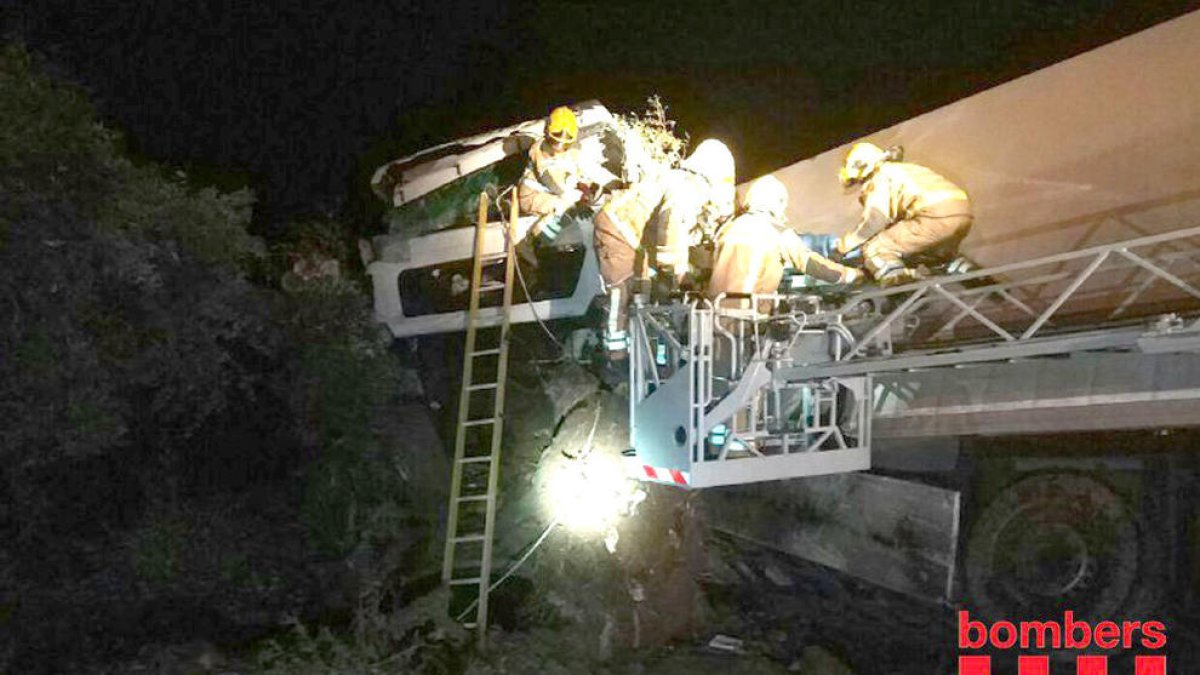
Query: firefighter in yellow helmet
(910, 214)
(652, 224)
(556, 171)
(753, 249)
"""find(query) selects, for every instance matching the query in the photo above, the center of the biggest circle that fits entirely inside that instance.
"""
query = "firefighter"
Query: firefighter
(556, 173)
(617, 236)
(697, 198)
(911, 215)
(753, 249)
(651, 224)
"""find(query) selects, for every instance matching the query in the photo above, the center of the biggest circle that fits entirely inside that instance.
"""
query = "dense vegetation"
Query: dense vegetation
(177, 429)
(207, 438)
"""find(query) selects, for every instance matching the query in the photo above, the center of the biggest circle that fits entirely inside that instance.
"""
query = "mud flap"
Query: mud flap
(897, 534)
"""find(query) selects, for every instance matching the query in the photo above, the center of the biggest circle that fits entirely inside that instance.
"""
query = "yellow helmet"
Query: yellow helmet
(862, 161)
(712, 160)
(563, 126)
(767, 195)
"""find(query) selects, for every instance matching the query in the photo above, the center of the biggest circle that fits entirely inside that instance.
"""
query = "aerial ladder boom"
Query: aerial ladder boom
(723, 396)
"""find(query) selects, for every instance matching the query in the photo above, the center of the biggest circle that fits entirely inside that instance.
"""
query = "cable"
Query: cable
(587, 450)
(587, 445)
(520, 561)
(562, 349)
(521, 276)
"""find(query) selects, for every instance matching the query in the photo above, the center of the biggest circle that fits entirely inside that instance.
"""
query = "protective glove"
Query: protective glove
(848, 242)
(663, 286)
(550, 227)
(853, 257)
(898, 277)
(825, 244)
(853, 277)
(588, 192)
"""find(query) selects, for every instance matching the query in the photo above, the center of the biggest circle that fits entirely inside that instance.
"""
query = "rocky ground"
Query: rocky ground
(650, 590)
(642, 591)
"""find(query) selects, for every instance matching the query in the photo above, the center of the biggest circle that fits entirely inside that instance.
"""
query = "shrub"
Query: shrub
(421, 640)
(125, 302)
(649, 139)
(348, 380)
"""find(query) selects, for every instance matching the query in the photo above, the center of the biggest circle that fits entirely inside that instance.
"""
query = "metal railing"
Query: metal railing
(1019, 302)
(774, 378)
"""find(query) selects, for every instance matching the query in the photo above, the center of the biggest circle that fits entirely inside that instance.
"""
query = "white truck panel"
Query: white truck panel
(1099, 148)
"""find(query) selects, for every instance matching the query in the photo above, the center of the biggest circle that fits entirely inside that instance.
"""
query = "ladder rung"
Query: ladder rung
(472, 498)
(492, 257)
(465, 581)
(479, 422)
(486, 288)
(475, 460)
(486, 385)
(486, 352)
(469, 538)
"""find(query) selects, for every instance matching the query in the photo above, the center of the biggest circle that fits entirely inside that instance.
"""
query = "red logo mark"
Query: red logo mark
(1040, 665)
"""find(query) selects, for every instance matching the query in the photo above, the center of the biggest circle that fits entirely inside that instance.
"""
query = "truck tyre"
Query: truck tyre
(1056, 542)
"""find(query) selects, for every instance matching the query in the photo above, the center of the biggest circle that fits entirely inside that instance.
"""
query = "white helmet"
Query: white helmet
(712, 160)
(767, 195)
(862, 161)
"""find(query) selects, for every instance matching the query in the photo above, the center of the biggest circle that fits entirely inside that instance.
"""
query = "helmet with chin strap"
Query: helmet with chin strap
(864, 159)
(563, 126)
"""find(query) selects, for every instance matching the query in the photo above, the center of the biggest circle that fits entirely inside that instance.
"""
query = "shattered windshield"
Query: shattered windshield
(454, 204)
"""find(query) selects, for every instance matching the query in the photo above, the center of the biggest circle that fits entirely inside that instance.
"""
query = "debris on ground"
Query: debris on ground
(726, 644)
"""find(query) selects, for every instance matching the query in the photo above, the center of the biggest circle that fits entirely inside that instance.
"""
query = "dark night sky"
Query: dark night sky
(303, 99)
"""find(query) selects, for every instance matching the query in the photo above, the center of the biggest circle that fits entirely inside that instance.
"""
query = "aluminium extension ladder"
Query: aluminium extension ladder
(475, 474)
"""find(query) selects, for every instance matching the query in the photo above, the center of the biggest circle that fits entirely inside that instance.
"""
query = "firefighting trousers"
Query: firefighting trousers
(617, 259)
(930, 236)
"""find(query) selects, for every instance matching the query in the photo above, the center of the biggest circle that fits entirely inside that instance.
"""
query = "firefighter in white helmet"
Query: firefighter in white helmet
(697, 198)
(910, 214)
(651, 225)
(754, 248)
(555, 173)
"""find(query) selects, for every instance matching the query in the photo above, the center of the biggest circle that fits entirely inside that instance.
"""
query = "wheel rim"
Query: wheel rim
(1051, 543)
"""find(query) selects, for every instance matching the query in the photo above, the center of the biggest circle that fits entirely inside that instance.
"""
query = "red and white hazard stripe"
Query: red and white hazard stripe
(671, 476)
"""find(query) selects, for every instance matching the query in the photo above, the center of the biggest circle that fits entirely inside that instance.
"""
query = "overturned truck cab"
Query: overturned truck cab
(421, 266)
